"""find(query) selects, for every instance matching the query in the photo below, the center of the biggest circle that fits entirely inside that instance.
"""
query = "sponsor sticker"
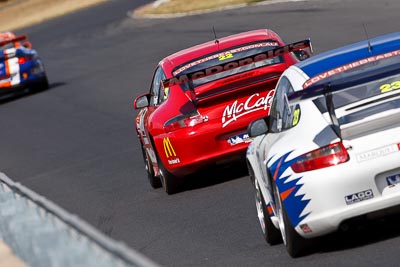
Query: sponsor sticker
(377, 153)
(170, 152)
(168, 148)
(173, 161)
(224, 55)
(358, 197)
(252, 104)
(238, 139)
(393, 179)
(348, 67)
(185, 78)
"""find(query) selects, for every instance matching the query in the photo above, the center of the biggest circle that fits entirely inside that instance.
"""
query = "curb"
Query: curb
(134, 14)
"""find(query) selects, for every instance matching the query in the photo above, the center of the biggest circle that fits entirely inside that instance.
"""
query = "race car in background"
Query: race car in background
(202, 99)
(20, 65)
(328, 155)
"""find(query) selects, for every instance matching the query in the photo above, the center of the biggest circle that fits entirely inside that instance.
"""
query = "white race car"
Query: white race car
(328, 153)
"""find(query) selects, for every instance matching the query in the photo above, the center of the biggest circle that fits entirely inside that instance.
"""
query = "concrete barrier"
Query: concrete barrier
(42, 234)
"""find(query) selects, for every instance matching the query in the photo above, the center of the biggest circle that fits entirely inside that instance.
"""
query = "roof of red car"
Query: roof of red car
(200, 50)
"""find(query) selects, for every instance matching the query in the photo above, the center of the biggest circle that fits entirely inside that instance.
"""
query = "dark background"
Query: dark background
(76, 144)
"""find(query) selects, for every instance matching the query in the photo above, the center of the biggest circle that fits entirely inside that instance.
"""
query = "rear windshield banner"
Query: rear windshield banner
(185, 78)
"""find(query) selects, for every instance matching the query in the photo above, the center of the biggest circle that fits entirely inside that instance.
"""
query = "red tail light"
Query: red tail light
(23, 60)
(331, 155)
(183, 121)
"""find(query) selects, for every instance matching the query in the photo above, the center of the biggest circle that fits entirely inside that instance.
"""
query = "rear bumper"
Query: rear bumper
(227, 157)
(24, 85)
(12, 89)
(347, 192)
(333, 220)
(186, 153)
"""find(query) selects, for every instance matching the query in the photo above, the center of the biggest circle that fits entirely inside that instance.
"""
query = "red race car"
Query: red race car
(202, 99)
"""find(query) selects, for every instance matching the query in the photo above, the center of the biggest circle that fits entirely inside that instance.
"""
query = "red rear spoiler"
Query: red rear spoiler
(16, 39)
(279, 51)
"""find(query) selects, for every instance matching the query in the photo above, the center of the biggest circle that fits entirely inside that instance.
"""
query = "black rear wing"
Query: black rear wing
(329, 88)
(16, 39)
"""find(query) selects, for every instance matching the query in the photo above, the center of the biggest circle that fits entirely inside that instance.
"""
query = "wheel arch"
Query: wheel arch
(250, 171)
(155, 163)
(270, 190)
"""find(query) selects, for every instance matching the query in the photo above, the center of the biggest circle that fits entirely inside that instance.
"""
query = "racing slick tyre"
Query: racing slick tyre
(270, 233)
(41, 85)
(170, 182)
(295, 244)
(155, 182)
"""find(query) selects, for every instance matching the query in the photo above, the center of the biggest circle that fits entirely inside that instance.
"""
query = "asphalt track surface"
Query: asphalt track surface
(75, 143)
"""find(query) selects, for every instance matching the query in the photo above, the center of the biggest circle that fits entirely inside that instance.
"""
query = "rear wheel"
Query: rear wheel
(155, 182)
(41, 85)
(296, 245)
(270, 233)
(171, 183)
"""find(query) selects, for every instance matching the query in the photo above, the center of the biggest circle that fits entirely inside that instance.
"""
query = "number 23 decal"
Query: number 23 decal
(387, 87)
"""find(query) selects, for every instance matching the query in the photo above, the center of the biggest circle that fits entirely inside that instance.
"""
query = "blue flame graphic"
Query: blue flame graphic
(294, 205)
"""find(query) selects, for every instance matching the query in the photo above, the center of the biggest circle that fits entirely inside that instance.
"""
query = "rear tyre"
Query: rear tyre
(171, 183)
(41, 85)
(154, 181)
(295, 244)
(270, 233)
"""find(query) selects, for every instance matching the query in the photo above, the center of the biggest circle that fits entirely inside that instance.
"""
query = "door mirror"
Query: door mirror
(141, 101)
(258, 127)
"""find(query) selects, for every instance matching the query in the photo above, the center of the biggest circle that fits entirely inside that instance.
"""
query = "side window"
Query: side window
(164, 94)
(156, 86)
(282, 115)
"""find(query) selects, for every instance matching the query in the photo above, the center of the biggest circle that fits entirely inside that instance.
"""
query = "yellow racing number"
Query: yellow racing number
(296, 117)
(226, 56)
(387, 87)
(166, 93)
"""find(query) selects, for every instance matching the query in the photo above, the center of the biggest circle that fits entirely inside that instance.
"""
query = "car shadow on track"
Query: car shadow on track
(27, 92)
(365, 233)
(215, 175)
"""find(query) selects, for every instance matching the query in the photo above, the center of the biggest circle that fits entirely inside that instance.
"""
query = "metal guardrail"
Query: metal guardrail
(42, 234)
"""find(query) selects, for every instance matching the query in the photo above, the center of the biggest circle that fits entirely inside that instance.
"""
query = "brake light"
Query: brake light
(331, 155)
(23, 60)
(183, 121)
